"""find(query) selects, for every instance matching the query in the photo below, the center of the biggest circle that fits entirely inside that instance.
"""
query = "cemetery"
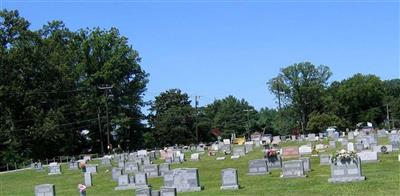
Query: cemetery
(335, 170)
(152, 98)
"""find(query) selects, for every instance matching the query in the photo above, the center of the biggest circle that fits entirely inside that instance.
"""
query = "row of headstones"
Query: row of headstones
(49, 190)
(340, 172)
(55, 168)
(183, 179)
(152, 170)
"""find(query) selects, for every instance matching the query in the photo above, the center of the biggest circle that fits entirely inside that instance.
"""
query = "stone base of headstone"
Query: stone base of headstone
(58, 173)
(155, 193)
(125, 187)
(235, 156)
(232, 187)
(303, 176)
(220, 158)
(258, 173)
(346, 179)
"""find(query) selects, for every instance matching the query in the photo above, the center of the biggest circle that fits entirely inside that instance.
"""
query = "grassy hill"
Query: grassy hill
(383, 178)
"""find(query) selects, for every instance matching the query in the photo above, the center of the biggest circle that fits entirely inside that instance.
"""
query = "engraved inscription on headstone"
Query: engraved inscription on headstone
(258, 167)
(45, 190)
(229, 179)
(293, 169)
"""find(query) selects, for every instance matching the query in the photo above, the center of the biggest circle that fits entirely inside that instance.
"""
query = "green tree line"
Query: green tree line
(56, 86)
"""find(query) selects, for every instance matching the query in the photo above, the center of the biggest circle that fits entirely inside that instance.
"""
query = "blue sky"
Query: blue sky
(214, 49)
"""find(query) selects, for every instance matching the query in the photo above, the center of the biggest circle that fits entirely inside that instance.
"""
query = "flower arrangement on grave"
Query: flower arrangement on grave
(271, 153)
(344, 156)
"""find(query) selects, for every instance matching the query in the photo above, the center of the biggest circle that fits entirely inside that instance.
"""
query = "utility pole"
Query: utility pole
(101, 132)
(248, 119)
(106, 88)
(387, 115)
(196, 103)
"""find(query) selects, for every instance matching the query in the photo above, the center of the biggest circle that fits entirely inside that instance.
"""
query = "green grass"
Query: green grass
(383, 178)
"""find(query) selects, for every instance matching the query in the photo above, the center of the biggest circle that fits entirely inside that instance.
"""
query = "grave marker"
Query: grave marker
(45, 190)
(183, 179)
(258, 167)
(229, 179)
(293, 169)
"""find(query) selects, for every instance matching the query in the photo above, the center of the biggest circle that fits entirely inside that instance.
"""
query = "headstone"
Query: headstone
(227, 141)
(290, 152)
(115, 173)
(350, 146)
(293, 169)
(276, 139)
(151, 170)
(141, 180)
(350, 136)
(105, 161)
(54, 169)
(45, 190)
(368, 156)
(304, 150)
(344, 142)
(121, 164)
(229, 179)
(395, 141)
(167, 191)
(226, 148)
(306, 163)
(293, 137)
(164, 167)
(131, 167)
(220, 158)
(311, 137)
(239, 150)
(37, 166)
(143, 191)
(88, 179)
(195, 157)
(382, 148)
(274, 162)
(359, 147)
(235, 156)
(155, 193)
(332, 144)
(142, 153)
(324, 159)
(319, 147)
(87, 158)
(124, 183)
(258, 167)
(183, 179)
(346, 171)
(146, 160)
(91, 169)
(248, 146)
(73, 165)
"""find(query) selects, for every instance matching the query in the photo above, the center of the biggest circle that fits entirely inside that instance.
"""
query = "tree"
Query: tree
(265, 120)
(301, 86)
(172, 118)
(231, 115)
(320, 122)
(285, 122)
(49, 93)
(392, 101)
(361, 99)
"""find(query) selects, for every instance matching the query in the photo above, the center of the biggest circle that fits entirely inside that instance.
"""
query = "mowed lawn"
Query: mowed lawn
(383, 178)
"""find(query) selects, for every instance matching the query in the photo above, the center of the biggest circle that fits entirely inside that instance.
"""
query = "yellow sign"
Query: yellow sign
(239, 140)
